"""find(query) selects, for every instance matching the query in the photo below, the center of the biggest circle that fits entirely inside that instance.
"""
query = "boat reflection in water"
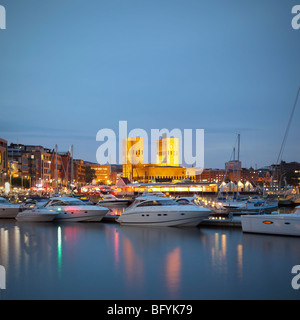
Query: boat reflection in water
(110, 261)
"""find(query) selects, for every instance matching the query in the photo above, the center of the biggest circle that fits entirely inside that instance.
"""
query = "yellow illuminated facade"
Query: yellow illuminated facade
(167, 151)
(133, 155)
(154, 172)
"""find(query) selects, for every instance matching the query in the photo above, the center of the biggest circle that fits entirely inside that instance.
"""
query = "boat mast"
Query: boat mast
(279, 158)
(233, 171)
(287, 128)
(56, 172)
(238, 169)
(71, 183)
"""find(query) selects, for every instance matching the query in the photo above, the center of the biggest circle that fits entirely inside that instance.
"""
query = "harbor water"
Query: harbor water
(108, 261)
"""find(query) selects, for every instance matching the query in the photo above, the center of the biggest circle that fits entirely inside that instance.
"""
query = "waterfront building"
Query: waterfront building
(286, 172)
(167, 151)
(102, 172)
(18, 163)
(233, 165)
(116, 172)
(36, 164)
(154, 172)
(167, 188)
(133, 155)
(78, 173)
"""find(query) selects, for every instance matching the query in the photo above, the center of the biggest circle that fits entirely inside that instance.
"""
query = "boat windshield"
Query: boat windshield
(4, 201)
(167, 202)
(60, 203)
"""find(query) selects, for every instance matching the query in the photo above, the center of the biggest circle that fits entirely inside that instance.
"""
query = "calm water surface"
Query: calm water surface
(113, 262)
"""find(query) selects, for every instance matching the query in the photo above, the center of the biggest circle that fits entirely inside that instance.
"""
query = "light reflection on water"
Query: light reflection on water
(109, 261)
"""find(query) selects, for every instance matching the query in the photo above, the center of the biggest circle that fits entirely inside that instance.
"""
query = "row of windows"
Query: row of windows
(165, 177)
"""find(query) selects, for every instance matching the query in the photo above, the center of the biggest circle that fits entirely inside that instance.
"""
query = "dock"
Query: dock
(224, 222)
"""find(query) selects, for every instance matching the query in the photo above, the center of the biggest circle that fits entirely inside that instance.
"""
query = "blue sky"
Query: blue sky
(69, 68)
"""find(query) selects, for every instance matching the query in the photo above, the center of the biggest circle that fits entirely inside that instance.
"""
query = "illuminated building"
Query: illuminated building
(37, 165)
(168, 188)
(102, 172)
(154, 172)
(167, 151)
(133, 155)
(79, 172)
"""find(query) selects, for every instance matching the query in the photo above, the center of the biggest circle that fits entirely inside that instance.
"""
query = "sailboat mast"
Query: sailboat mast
(233, 169)
(71, 183)
(56, 172)
(284, 138)
(238, 169)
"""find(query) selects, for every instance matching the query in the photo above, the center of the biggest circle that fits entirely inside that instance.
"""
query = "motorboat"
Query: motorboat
(161, 211)
(110, 200)
(277, 224)
(187, 201)
(37, 215)
(8, 210)
(251, 205)
(72, 209)
(34, 202)
(289, 200)
(238, 206)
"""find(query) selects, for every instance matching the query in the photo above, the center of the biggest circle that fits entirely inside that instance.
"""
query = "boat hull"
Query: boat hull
(76, 215)
(282, 224)
(36, 216)
(9, 213)
(168, 218)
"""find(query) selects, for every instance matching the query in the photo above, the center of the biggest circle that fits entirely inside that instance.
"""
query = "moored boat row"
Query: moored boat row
(56, 208)
(147, 210)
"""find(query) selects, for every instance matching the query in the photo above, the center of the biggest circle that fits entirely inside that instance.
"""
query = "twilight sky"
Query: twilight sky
(69, 68)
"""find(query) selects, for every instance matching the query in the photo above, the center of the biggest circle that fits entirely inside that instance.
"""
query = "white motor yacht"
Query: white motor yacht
(161, 211)
(8, 209)
(36, 215)
(110, 200)
(280, 224)
(72, 209)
